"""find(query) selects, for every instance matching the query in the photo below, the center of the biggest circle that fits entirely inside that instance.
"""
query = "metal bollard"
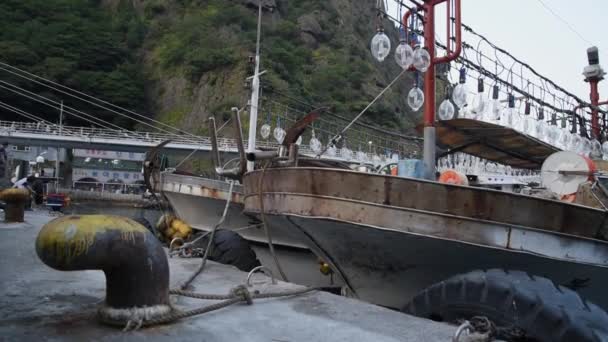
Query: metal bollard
(15, 200)
(133, 260)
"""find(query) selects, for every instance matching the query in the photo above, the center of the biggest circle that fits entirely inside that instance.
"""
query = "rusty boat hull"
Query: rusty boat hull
(201, 201)
(389, 237)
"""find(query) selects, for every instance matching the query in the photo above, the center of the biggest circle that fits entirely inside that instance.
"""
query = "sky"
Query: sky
(533, 34)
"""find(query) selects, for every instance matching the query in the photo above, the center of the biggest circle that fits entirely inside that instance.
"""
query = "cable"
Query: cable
(571, 27)
(66, 109)
(23, 113)
(92, 97)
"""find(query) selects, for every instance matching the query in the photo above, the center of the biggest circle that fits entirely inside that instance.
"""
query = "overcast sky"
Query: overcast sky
(533, 34)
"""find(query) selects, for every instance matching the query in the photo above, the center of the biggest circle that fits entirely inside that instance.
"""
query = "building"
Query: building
(100, 170)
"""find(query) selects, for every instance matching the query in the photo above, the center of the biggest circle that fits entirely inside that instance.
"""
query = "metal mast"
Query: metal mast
(255, 93)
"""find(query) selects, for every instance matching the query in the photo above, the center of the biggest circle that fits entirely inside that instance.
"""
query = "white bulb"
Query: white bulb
(479, 104)
(496, 111)
(505, 117)
(279, 134)
(539, 130)
(361, 156)
(565, 138)
(518, 121)
(331, 150)
(404, 55)
(586, 147)
(422, 59)
(376, 160)
(315, 144)
(459, 95)
(346, 153)
(415, 98)
(380, 46)
(446, 110)
(577, 143)
(265, 131)
(605, 150)
(596, 149)
(528, 125)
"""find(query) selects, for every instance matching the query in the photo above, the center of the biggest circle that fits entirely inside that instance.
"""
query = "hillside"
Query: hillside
(183, 60)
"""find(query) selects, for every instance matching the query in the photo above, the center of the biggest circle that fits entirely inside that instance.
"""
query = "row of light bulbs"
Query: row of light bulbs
(468, 164)
(556, 132)
(316, 146)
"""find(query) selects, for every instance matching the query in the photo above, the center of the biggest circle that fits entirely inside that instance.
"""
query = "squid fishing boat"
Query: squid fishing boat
(439, 250)
(534, 266)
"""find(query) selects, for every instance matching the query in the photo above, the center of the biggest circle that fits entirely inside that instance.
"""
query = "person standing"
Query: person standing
(4, 177)
(3, 159)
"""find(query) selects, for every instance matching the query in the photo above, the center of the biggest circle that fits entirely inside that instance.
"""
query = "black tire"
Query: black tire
(230, 248)
(144, 222)
(543, 310)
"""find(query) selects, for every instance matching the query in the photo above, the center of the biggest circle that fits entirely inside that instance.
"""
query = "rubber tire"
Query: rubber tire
(544, 310)
(230, 248)
(144, 222)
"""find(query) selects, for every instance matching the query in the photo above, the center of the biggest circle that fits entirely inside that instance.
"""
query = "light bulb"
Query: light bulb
(605, 150)
(415, 98)
(479, 101)
(380, 46)
(596, 149)
(314, 143)
(376, 160)
(586, 147)
(422, 59)
(565, 138)
(496, 105)
(459, 95)
(528, 125)
(361, 156)
(446, 110)
(279, 134)
(577, 143)
(331, 150)
(346, 153)
(265, 131)
(404, 54)
(551, 134)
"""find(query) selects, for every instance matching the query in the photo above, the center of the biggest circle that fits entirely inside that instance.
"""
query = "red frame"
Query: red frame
(428, 7)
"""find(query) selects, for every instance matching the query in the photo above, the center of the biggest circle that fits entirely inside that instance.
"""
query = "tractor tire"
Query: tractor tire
(230, 248)
(541, 309)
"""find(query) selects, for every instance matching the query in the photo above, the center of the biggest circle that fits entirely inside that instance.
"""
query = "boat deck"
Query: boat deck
(39, 302)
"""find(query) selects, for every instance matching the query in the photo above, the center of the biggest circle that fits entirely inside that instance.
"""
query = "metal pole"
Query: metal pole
(429, 95)
(57, 148)
(255, 93)
(595, 100)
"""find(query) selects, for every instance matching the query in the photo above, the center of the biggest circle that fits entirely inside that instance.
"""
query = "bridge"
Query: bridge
(45, 134)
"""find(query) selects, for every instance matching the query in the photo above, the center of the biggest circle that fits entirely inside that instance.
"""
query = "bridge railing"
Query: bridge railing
(103, 135)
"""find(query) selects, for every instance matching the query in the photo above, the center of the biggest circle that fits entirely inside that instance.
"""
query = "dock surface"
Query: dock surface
(39, 303)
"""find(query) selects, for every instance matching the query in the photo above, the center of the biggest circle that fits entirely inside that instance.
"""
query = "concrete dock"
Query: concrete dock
(39, 303)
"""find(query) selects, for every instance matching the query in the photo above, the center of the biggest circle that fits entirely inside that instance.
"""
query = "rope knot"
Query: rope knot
(242, 292)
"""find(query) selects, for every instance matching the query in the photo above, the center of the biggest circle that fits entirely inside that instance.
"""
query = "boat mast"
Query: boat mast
(255, 93)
